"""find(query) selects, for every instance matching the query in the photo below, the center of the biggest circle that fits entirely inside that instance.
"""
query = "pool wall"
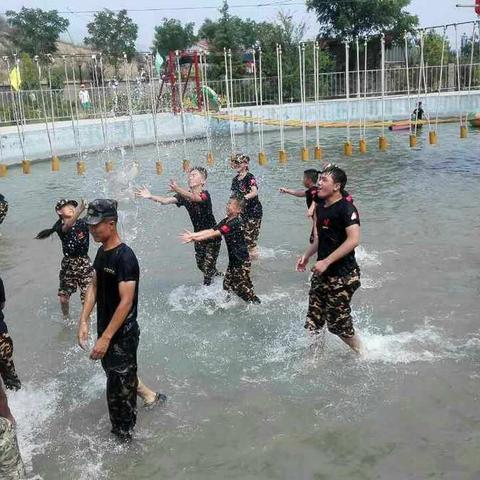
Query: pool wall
(170, 126)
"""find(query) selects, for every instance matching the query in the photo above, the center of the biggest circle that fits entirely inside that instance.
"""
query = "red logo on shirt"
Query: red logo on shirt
(225, 229)
(253, 182)
(204, 196)
(326, 222)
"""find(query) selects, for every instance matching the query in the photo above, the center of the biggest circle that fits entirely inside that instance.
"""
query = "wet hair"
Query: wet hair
(202, 171)
(240, 158)
(338, 176)
(239, 201)
(311, 174)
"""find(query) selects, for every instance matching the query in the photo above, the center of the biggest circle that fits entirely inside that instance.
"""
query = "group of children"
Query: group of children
(114, 275)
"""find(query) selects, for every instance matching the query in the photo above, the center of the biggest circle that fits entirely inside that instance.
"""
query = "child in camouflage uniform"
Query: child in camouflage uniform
(7, 367)
(198, 203)
(336, 275)
(237, 277)
(76, 269)
(244, 186)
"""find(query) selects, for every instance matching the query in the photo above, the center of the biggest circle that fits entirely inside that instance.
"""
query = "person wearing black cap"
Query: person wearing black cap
(76, 269)
(114, 288)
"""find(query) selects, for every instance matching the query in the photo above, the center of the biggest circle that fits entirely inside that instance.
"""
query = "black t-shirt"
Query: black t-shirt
(201, 213)
(331, 224)
(311, 195)
(3, 326)
(232, 231)
(76, 240)
(112, 267)
(253, 207)
(418, 113)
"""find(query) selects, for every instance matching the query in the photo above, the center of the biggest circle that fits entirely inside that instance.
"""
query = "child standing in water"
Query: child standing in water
(7, 367)
(310, 178)
(237, 277)
(198, 203)
(76, 270)
(244, 186)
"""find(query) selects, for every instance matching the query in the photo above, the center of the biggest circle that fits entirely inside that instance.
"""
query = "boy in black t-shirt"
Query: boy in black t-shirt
(76, 268)
(198, 203)
(244, 186)
(237, 277)
(114, 288)
(310, 178)
(7, 367)
(336, 275)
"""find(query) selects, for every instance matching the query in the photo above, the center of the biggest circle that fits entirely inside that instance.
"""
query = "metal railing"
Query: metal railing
(108, 101)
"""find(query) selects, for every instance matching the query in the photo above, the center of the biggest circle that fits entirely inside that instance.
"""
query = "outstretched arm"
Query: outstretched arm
(201, 236)
(144, 192)
(290, 191)
(193, 197)
(70, 222)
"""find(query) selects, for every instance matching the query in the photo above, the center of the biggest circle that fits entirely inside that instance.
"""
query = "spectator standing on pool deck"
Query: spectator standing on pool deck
(84, 97)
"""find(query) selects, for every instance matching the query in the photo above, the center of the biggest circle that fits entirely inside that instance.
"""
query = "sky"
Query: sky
(430, 12)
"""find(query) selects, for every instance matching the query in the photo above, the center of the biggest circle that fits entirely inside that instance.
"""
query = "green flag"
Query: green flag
(158, 63)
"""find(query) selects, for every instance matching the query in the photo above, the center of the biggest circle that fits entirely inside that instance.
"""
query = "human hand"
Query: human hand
(173, 185)
(100, 348)
(186, 236)
(301, 264)
(321, 266)
(282, 190)
(143, 192)
(82, 335)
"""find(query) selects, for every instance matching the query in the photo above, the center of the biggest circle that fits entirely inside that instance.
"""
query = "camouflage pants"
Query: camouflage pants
(11, 465)
(237, 280)
(7, 367)
(120, 366)
(3, 211)
(206, 254)
(329, 302)
(75, 272)
(251, 230)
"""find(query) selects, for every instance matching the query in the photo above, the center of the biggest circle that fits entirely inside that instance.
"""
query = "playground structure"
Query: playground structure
(190, 93)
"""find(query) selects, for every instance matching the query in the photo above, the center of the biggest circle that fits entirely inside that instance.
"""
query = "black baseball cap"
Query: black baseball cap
(100, 209)
(64, 202)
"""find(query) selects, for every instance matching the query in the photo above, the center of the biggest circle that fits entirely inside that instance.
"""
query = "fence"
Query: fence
(113, 100)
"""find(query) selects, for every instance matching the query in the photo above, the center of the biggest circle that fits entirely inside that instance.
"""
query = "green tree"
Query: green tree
(340, 19)
(113, 35)
(432, 49)
(36, 31)
(172, 35)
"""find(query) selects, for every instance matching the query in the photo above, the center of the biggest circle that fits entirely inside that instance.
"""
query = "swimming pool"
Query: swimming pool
(249, 398)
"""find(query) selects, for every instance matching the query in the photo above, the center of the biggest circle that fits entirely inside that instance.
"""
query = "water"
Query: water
(250, 397)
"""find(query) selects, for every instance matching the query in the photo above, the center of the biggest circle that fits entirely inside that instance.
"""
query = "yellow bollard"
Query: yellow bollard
(3, 170)
(81, 167)
(318, 153)
(382, 143)
(463, 131)
(210, 159)
(26, 167)
(432, 137)
(282, 156)
(304, 154)
(55, 164)
(262, 159)
(186, 166)
(413, 140)
(362, 146)
(108, 166)
(159, 167)
(348, 149)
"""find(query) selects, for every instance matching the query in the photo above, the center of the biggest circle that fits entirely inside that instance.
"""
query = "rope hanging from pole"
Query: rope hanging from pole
(412, 136)
(206, 104)
(81, 165)
(158, 162)
(382, 141)
(301, 66)
(363, 139)
(186, 162)
(282, 154)
(347, 147)
(316, 85)
(229, 102)
(470, 75)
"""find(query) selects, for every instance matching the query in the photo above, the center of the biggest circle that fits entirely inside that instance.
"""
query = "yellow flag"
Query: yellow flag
(15, 78)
